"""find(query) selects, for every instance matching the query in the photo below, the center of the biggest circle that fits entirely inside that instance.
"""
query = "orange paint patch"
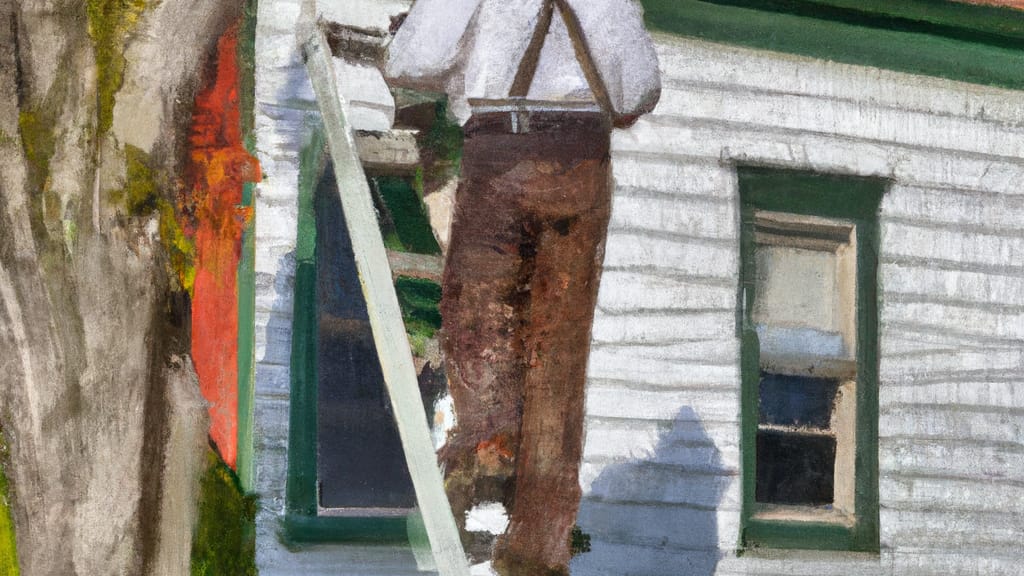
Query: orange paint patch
(219, 166)
(494, 455)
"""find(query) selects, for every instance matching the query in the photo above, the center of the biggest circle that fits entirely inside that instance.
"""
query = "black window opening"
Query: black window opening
(796, 442)
(347, 475)
(360, 461)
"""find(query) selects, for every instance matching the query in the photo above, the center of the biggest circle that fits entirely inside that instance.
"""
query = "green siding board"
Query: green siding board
(958, 55)
(851, 198)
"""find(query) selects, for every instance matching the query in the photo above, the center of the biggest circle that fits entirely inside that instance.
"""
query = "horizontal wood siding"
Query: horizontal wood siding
(661, 463)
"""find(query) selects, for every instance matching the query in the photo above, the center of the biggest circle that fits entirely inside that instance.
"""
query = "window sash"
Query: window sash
(800, 197)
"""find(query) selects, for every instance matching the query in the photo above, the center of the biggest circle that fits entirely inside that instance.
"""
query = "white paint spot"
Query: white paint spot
(483, 569)
(488, 517)
(444, 421)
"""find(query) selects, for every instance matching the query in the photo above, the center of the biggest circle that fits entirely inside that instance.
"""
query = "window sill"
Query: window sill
(759, 532)
(830, 557)
(301, 529)
(782, 513)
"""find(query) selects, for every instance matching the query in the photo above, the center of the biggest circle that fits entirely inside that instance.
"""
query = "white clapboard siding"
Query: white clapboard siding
(618, 295)
(685, 61)
(724, 352)
(685, 254)
(860, 120)
(667, 373)
(931, 457)
(955, 285)
(959, 561)
(663, 401)
(665, 525)
(977, 394)
(614, 559)
(950, 365)
(652, 484)
(922, 241)
(991, 323)
(954, 422)
(684, 427)
(620, 444)
(661, 138)
(699, 217)
(618, 401)
(907, 492)
(663, 327)
(995, 212)
(670, 174)
(977, 530)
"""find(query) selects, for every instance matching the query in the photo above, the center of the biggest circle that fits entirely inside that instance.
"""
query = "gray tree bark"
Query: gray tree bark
(89, 321)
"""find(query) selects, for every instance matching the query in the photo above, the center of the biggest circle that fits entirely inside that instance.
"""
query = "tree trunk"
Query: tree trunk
(94, 108)
(520, 287)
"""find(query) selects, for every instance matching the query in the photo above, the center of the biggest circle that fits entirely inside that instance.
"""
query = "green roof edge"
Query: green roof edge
(975, 44)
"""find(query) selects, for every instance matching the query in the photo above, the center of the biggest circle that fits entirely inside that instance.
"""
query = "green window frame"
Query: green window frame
(410, 232)
(302, 524)
(854, 200)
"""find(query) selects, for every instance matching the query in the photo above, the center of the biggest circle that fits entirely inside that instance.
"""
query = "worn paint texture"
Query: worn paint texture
(519, 290)
(91, 317)
(219, 167)
(662, 463)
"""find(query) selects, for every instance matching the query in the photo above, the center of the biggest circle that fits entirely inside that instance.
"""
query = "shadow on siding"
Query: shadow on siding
(656, 515)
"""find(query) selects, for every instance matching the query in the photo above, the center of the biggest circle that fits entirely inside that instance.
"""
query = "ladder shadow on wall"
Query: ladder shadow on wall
(655, 511)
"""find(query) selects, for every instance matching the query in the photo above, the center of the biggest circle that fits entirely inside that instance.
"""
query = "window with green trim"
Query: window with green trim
(347, 476)
(809, 258)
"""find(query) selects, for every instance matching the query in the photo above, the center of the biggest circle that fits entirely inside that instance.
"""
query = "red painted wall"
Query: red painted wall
(219, 165)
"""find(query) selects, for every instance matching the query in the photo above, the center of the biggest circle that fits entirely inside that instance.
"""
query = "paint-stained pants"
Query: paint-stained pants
(520, 288)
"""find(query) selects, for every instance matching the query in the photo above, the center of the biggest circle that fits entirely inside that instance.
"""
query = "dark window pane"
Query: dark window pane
(797, 400)
(795, 468)
(360, 459)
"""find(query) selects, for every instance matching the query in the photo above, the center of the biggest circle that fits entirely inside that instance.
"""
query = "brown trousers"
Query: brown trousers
(520, 287)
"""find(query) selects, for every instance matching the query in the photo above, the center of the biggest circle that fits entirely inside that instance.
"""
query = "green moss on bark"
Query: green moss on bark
(224, 543)
(38, 141)
(110, 23)
(141, 197)
(140, 190)
(8, 546)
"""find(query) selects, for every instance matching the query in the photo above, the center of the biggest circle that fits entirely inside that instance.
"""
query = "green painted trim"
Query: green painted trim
(850, 198)
(302, 529)
(300, 493)
(301, 523)
(918, 37)
(246, 462)
(990, 25)
(246, 280)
